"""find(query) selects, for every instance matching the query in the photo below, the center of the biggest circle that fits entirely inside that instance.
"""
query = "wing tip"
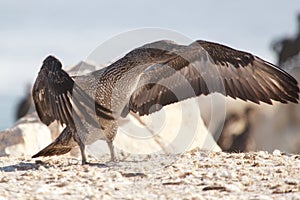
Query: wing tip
(51, 151)
(51, 63)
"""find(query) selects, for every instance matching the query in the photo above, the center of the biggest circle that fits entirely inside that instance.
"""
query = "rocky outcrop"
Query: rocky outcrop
(26, 137)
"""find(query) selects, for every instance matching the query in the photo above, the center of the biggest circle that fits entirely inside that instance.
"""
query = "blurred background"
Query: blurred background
(31, 30)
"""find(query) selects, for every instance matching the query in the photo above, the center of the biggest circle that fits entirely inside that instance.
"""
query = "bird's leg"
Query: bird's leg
(82, 149)
(111, 149)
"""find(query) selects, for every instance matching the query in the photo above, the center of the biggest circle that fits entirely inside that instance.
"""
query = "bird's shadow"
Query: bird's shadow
(22, 166)
(35, 165)
(26, 166)
(99, 165)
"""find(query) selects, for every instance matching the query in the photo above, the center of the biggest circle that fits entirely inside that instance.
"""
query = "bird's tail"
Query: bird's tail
(61, 145)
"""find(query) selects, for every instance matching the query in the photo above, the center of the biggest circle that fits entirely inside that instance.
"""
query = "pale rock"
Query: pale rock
(276, 152)
(175, 129)
(26, 137)
(233, 188)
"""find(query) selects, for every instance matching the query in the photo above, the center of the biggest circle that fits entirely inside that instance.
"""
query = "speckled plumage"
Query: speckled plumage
(145, 80)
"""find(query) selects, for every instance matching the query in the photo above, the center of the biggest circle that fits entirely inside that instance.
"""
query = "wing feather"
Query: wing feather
(57, 97)
(208, 67)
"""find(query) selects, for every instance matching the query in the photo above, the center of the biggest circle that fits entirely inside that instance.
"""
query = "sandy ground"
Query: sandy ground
(192, 175)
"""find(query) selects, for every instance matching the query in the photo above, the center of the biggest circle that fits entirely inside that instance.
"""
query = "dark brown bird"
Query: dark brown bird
(236, 132)
(145, 80)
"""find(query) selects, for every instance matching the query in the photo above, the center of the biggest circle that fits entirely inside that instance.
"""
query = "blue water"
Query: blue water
(8, 104)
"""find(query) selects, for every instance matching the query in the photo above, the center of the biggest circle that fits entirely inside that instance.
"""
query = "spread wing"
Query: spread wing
(206, 67)
(57, 97)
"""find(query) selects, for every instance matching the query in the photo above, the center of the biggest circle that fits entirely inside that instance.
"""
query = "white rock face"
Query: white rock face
(26, 137)
(174, 129)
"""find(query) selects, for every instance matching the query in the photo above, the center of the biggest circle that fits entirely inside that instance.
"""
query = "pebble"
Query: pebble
(233, 188)
(276, 152)
(255, 175)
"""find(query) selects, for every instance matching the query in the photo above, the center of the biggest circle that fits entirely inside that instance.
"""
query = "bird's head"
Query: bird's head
(51, 63)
